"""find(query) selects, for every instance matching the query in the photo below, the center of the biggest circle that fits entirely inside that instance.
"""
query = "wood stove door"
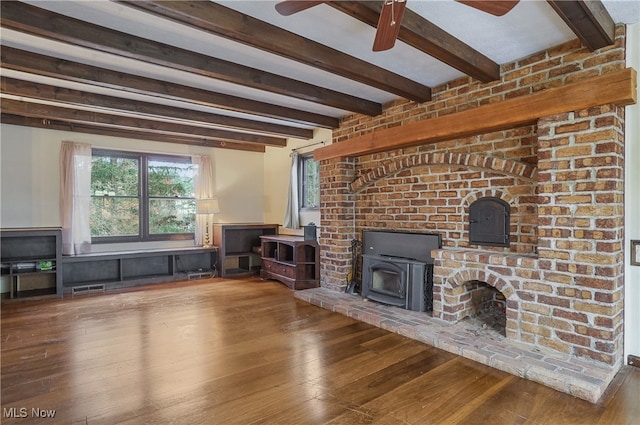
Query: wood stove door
(384, 281)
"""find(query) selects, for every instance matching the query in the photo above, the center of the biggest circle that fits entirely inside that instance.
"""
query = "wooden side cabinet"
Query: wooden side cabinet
(31, 260)
(291, 260)
(239, 247)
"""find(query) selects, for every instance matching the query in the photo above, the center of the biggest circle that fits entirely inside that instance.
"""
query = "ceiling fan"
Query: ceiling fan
(391, 15)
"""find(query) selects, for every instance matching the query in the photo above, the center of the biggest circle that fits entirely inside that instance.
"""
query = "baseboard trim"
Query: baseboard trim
(633, 360)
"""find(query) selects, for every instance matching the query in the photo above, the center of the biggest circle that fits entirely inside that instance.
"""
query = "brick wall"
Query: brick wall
(562, 274)
(581, 228)
(336, 230)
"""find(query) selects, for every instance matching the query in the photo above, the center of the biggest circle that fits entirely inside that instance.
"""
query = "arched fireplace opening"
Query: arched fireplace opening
(484, 305)
(478, 303)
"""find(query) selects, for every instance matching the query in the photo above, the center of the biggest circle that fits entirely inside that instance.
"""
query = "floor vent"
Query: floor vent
(86, 289)
(201, 274)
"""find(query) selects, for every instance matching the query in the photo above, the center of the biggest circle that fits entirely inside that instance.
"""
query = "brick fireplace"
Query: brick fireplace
(561, 277)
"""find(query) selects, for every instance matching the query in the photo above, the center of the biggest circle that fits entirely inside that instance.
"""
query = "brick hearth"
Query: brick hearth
(561, 276)
(582, 378)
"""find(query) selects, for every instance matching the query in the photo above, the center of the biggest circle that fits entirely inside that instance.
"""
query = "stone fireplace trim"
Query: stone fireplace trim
(482, 162)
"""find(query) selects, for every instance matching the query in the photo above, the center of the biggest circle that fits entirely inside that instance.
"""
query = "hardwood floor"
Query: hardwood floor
(247, 352)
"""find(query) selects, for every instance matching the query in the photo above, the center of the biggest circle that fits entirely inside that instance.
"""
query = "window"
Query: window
(138, 197)
(309, 183)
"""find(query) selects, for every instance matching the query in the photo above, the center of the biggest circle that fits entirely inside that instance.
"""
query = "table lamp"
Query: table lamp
(207, 207)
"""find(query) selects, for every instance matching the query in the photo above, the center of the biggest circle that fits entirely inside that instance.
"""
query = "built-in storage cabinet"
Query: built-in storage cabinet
(239, 246)
(104, 271)
(31, 261)
(291, 260)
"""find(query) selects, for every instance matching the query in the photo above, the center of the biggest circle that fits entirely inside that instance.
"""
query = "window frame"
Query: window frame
(143, 196)
(303, 183)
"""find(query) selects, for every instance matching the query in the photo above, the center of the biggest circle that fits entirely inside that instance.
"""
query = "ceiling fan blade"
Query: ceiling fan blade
(494, 7)
(389, 24)
(289, 7)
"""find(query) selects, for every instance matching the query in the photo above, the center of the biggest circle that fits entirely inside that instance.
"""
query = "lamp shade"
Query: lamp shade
(207, 206)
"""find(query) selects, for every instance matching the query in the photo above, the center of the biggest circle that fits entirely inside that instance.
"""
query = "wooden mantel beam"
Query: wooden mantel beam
(615, 88)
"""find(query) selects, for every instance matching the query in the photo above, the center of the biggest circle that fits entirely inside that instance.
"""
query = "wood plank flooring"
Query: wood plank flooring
(247, 352)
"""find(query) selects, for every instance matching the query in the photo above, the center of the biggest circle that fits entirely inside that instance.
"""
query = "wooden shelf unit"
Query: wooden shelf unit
(103, 271)
(25, 257)
(239, 246)
(291, 260)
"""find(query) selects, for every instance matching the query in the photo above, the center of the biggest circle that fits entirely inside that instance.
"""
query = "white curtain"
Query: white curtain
(291, 215)
(204, 189)
(75, 197)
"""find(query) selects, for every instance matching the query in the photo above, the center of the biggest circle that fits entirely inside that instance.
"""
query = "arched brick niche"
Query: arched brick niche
(433, 191)
(472, 161)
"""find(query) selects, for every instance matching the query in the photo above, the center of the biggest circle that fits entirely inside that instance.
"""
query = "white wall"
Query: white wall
(276, 179)
(632, 203)
(30, 175)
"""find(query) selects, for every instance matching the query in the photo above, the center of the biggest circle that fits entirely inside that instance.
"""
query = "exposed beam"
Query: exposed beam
(428, 38)
(223, 21)
(39, 22)
(50, 93)
(589, 20)
(615, 88)
(124, 133)
(48, 66)
(39, 110)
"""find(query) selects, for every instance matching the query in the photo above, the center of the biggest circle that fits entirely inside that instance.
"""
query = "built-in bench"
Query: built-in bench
(103, 271)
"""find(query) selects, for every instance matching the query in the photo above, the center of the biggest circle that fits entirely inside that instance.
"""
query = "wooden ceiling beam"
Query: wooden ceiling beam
(428, 38)
(50, 93)
(125, 133)
(619, 88)
(589, 20)
(223, 21)
(34, 63)
(44, 111)
(32, 20)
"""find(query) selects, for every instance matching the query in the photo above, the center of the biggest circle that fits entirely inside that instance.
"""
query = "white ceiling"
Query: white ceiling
(530, 27)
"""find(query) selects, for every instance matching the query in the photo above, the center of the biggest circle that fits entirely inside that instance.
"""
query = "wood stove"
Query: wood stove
(397, 268)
